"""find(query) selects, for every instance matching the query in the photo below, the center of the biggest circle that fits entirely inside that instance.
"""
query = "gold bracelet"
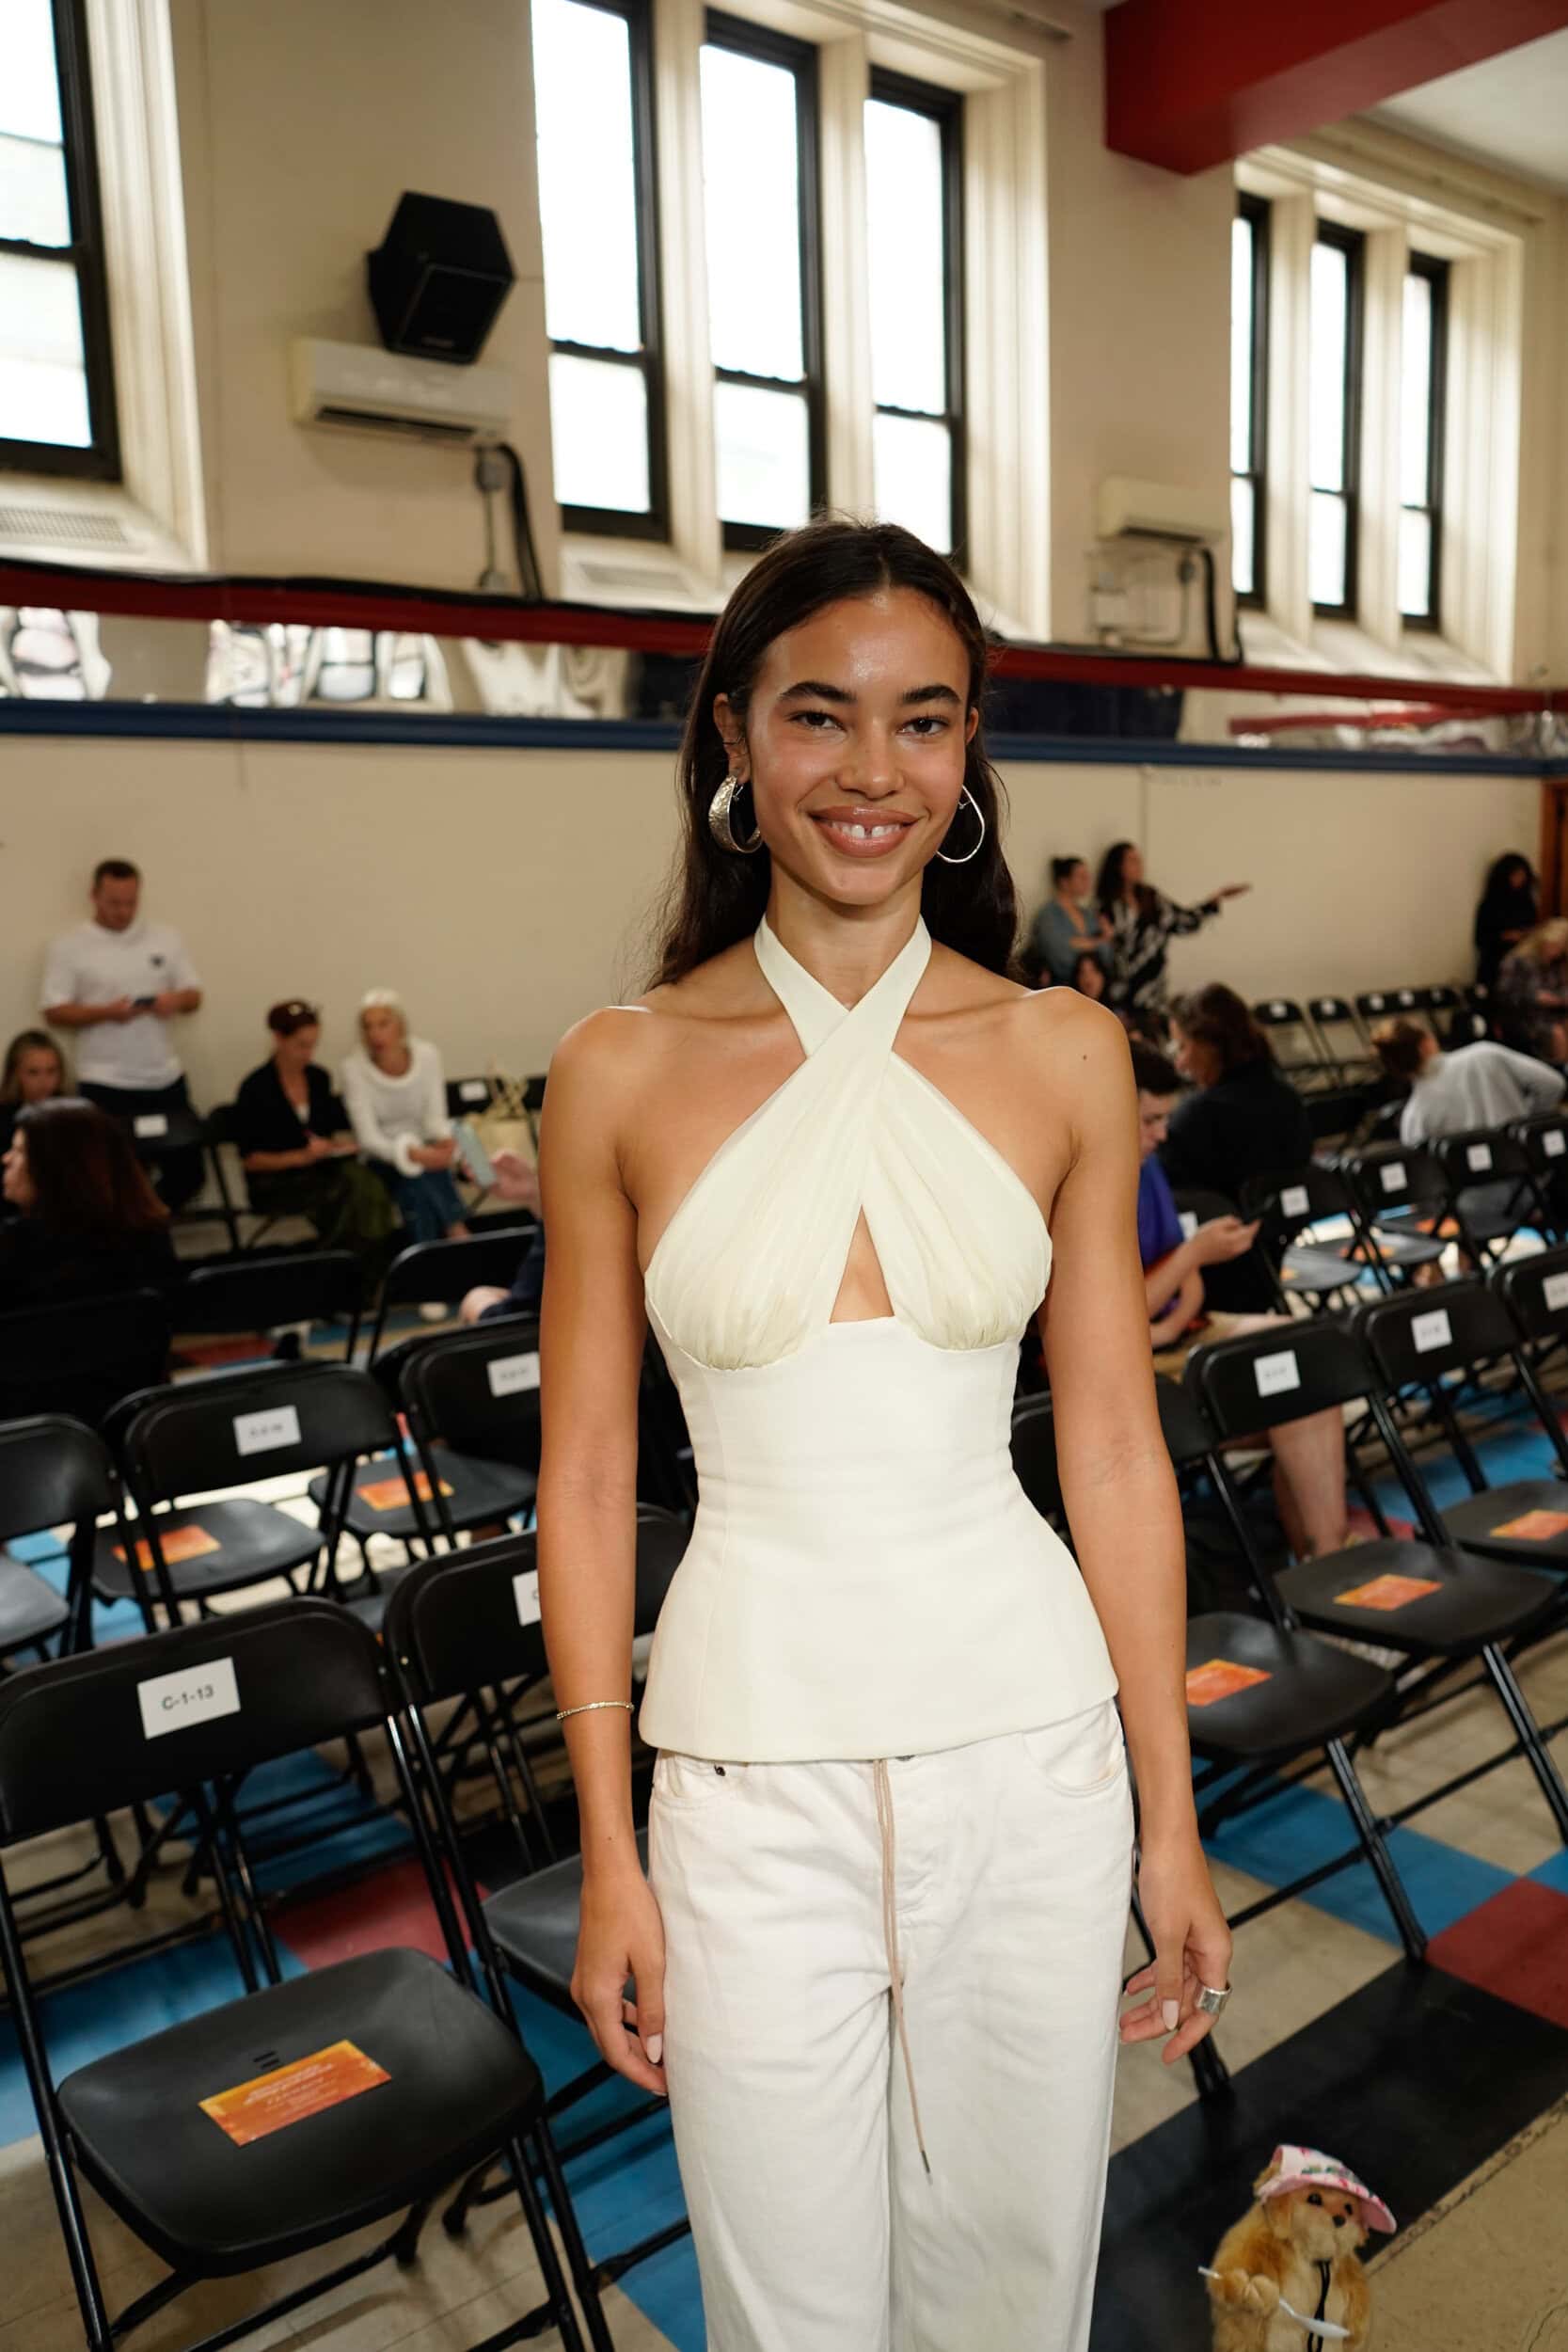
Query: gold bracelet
(589, 1704)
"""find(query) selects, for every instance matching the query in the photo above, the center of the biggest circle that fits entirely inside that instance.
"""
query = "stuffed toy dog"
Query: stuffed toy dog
(1292, 2259)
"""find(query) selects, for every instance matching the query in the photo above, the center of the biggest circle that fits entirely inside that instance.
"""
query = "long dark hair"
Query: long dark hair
(1107, 887)
(714, 897)
(1216, 1016)
(1502, 889)
(88, 1179)
(28, 1042)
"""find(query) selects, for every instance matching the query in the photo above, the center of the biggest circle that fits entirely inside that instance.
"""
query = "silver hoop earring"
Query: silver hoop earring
(721, 819)
(966, 794)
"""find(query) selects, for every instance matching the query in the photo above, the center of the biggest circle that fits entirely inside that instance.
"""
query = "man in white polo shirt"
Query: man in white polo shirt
(120, 980)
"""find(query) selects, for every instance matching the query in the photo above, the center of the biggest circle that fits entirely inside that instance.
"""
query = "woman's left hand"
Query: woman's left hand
(1192, 1944)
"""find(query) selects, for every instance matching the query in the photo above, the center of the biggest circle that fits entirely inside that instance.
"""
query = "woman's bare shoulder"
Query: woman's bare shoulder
(622, 1039)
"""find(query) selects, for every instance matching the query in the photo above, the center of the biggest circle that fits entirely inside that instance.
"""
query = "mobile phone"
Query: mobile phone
(143, 1004)
(474, 1156)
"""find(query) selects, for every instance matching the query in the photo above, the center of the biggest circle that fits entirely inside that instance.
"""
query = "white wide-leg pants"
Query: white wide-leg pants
(818, 2227)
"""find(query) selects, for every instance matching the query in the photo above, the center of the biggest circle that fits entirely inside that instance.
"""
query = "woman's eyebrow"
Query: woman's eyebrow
(816, 690)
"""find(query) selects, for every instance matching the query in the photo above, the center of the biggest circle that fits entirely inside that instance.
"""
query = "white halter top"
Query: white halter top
(865, 1575)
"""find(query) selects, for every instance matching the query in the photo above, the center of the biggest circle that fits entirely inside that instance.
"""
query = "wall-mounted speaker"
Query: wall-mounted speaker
(438, 277)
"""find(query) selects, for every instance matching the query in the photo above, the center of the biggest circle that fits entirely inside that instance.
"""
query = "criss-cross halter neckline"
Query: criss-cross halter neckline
(752, 1259)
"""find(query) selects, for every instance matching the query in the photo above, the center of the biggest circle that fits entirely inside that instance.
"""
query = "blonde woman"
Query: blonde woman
(395, 1090)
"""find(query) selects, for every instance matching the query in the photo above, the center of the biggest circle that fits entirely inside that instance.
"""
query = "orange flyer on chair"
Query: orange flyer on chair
(178, 1543)
(270, 2103)
(1218, 1678)
(1534, 1527)
(1388, 1591)
(390, 1494)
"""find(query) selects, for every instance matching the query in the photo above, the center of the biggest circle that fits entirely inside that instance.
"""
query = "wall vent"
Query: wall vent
(60, 527)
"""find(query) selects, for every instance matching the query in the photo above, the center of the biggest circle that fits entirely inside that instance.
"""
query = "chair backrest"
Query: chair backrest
(1393, 1176)
(464, 1096)
(1034, 1452)
(1200, 1208)
(1544, 1142)
(53, 1472)
(1188, 1437)
(1441, 998)
(479, 1390)
(1292, 1198)
(1279, 1012)
(445, 1270)
(1478, 1155)
(468, 1620)
(1417, 1337)
(81, 1355)
(1535, 1292)
(1378, 1004)
(1281, 1374)
(271, 1422)
(309, 1285)
(1331, 1008)
(109, 1727)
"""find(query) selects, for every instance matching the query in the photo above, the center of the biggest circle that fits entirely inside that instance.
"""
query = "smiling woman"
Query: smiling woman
(822, 1171)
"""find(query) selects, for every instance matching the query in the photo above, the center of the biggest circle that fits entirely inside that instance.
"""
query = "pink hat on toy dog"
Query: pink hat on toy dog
(1309, 2167)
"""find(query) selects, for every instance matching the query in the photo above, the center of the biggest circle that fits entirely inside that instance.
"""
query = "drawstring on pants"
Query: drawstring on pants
(890, 1934)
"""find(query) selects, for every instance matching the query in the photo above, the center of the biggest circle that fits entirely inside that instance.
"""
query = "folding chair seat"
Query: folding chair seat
(303, 2111)
(227, 1430)
(1261, 1692)
(1293, 1202)
(53, 1472)
(1428, 1598)
(460, 1625)
(1397, 1190)
(256, 1293)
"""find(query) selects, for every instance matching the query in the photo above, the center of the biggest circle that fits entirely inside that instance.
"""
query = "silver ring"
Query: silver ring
(1211, 1998)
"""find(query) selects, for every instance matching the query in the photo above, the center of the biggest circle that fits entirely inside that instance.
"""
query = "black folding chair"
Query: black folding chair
(1544, 1142)
(256, 1293)
(1343, 1040)
(1263, 1694)
(1293, 1202)
(1477, 1165)
(1437, 1604)
(227, 1430)
(80, 1357)
(471, 1401)
(445, 1271)
(304, 2110)
(1402, 1198)
(459, 1628)
(1441, 1007)
(1298, 1050)
(1383, 1003)
(53, 1472)
(466, 1096)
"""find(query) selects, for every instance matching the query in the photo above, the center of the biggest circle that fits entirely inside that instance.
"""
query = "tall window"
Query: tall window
(57, 384)
(594, 105)
(1423, 358)
(759, 170)
(1249, 367)
(913, 182)
(1335, 420)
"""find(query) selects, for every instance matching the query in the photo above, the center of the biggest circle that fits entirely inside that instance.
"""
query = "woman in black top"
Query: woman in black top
(296, 1147)
(89, 1225)
(1506, 913)
(1241, 1120)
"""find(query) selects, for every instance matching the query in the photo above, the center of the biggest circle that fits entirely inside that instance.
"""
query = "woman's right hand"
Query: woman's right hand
(619, 1934)
(1222, 1238)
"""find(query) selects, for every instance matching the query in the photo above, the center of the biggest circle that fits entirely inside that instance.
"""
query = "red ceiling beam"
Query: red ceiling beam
(1193, 83)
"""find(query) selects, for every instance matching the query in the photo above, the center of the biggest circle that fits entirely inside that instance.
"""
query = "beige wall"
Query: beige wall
(507, 893)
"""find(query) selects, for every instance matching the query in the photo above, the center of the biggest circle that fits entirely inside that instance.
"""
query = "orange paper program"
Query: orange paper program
(1388, 1591)
(391, 1494)
(290, 2094)
(1218, 1678)
(178, 1543)
(1534, 1527)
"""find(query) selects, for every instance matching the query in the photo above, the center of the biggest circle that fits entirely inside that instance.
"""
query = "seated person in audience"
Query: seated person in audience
(89, 1222)
(1530, 1003)
(396, 1093)
(1483, 1085)
(297, 1148)
(1242, 1119)
(516, 1182)
(35, 1071)
(1066, 928)
(1309, 1454)
(1090, 979)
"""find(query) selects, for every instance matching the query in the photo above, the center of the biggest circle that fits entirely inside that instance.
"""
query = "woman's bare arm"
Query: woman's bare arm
(591, 1331)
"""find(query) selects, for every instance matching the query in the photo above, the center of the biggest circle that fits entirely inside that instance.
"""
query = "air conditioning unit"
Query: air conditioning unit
(1153, 510)
(357, 388)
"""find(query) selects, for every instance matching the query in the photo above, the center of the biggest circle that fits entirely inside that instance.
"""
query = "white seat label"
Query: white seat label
(473, 1090)
(1275, 1374)
(1278, 1011)
(1393, 1176)
(194, 1696)
(151, 1123)
(1376, 1003)
(507, 1374)
(525, 1590)
(1407, 997)
(1187, 1219)
(1478, 1156)
(1431, 1330)
(1554, 1290)
(1554, 1144)
(1295, 1201)
(260, 1432)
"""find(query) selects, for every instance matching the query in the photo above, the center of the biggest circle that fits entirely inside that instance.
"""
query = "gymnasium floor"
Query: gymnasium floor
(1446, 2087)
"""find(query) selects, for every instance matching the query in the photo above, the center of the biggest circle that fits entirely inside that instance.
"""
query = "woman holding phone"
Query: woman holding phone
(296, 1144)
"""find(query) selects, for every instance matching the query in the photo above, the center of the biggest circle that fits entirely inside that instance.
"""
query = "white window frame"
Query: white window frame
(1001, 73)
(156, 512)
(1386, 187)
